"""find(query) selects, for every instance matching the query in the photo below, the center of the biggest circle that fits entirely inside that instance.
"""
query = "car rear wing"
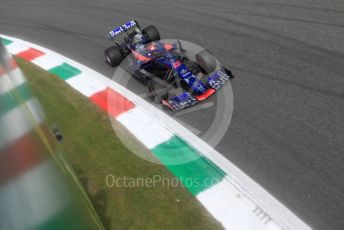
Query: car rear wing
(131, 25)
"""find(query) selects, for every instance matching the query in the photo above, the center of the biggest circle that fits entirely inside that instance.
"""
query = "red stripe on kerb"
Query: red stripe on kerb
(21, 156)
(112, 102)
(30, 54)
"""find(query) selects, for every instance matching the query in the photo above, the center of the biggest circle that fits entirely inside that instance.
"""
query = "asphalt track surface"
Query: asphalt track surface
(288, 58)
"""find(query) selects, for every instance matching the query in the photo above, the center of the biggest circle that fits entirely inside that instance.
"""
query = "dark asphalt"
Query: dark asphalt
(288, 56)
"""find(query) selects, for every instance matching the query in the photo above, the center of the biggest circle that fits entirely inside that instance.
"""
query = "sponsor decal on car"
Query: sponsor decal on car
(114, 33)
(217, 80)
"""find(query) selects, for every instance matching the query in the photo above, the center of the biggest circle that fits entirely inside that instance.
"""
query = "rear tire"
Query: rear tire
(158, 90)
(206, 60)
(152, 33)
(113, 56)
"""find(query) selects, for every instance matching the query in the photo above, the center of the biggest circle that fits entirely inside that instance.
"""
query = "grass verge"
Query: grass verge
(94, 150)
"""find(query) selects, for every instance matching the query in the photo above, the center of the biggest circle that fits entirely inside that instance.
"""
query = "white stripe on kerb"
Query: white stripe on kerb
(48, 61)
(19, 121)
(11, 80)
(86, 84)
(147, 130)
(16, 47)
(234, 210)
(33, 198)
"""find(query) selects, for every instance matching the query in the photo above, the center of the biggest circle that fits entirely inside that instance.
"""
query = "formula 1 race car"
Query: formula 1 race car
(166, 67)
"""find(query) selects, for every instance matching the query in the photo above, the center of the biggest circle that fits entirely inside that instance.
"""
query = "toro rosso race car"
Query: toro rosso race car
(166, 67)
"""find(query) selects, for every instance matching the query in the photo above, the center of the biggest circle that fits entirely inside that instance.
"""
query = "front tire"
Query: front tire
(113, 56)
(206, 60)
(194, 67)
